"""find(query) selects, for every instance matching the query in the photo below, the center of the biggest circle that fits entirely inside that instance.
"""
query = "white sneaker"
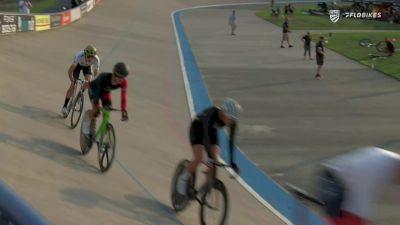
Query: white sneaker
(64, 111)
(86, 126)
(181, 184)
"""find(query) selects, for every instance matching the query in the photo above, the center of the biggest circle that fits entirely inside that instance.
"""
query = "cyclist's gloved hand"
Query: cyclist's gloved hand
(124, 115)
(235, 167)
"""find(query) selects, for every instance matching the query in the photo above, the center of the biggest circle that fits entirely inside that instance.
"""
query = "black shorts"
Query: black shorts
(87, 70)
(105, 100)
(320, 60)
(197, 134)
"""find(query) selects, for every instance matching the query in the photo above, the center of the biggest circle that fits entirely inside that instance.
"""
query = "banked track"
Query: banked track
(40, 157)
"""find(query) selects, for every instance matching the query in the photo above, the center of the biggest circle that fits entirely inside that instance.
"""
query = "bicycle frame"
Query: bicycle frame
(103, 126)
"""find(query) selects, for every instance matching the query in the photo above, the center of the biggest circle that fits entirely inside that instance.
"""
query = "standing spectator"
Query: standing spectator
(307, 45)
(320, 55)
(75, 3)
(286, 31)
(389, 47)
(232, 22)
(25, 6)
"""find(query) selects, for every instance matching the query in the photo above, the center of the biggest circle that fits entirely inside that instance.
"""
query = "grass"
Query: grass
(347, 45)
(300, 21)
(39, 6)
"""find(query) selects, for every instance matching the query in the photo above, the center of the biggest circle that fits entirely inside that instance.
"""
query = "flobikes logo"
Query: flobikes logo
(334, 15)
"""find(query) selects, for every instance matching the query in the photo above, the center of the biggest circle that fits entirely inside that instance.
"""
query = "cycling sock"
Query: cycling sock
(66, 102)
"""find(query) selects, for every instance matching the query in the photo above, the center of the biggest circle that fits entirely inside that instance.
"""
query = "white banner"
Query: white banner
(75, 14)
(90, 5)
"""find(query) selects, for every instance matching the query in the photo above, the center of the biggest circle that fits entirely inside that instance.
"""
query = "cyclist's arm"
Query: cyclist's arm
(232, 133)
(71, 72)
(96, 91)
(124, 96)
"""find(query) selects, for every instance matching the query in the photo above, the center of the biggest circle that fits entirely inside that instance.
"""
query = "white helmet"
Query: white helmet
(232, 108)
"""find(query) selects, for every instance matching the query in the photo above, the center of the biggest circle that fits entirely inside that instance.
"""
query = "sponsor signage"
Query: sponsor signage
(66, 18)
(42, 22)
(8, 24)
(55, 20)
(75, 14)
(26, 23)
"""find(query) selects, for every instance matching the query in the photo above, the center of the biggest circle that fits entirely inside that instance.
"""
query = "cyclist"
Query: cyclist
(99, 90)
(203, 136)
(351, 183)
(83, 61)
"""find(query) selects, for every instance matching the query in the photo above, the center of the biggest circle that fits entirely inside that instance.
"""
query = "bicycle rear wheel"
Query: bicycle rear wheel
(106, 149)
(85, 141)
(214, 207)
(77, 109)
(381, 46)
(365, 42)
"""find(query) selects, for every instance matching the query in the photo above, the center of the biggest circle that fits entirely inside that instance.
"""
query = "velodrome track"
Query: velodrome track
(40, 156)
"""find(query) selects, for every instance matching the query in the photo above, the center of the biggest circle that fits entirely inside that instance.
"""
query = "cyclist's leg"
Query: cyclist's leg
(71, 90)
(196, 140)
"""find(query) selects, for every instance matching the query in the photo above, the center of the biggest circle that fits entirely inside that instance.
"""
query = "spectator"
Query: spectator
(75, 3)
(319, 55)
(25, 6)
(389, 47)
(232, 22)
(350, 184)
(285, 31)
(307, 45)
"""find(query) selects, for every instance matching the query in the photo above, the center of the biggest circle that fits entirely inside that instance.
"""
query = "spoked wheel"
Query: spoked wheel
(178, 201)
(85, 141)
(381, 46)
(365, 42)
(77, 109)
(214, 207)
(107, 149)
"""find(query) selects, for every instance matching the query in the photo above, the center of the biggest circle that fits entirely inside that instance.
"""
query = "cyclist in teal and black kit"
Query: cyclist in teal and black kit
(203, 136)
(100, 89)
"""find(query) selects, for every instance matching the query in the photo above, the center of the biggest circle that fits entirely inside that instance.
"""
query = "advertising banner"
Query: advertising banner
(55, 20)
(42, 22)
(83, 7)
(66, 18)
(75, 14)
(26, 23)
(90, 5)
(9, 24)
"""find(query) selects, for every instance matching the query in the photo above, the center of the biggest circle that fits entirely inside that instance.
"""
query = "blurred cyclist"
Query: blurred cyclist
(203, 136)
(351, 183)
(83, 61)
(100, 90)
(389, 47)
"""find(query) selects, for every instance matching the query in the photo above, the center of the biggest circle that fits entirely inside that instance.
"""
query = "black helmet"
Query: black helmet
(121, 70)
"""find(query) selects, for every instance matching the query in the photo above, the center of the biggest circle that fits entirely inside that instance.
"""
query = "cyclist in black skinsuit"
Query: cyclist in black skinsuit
(203, 136)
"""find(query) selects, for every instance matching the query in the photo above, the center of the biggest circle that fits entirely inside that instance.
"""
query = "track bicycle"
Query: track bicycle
(76, 104)
(213, 198)
(104, 137)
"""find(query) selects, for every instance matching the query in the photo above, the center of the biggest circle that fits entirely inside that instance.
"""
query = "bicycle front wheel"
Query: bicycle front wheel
(214, 207)
(77, 109)
(106, 149)
(365, 42)
(381, 46)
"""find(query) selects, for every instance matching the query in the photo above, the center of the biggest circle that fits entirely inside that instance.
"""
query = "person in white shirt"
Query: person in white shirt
(83, 61)
(351, 183)
(25, 6)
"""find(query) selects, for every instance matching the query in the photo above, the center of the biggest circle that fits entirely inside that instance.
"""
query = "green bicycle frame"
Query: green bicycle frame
(104, 123)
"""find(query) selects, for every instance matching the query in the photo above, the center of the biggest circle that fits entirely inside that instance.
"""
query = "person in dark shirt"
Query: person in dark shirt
(100, 93)
(389, 47)
(203, 136)
(285, 31)
(307, 45)
(320, 56)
